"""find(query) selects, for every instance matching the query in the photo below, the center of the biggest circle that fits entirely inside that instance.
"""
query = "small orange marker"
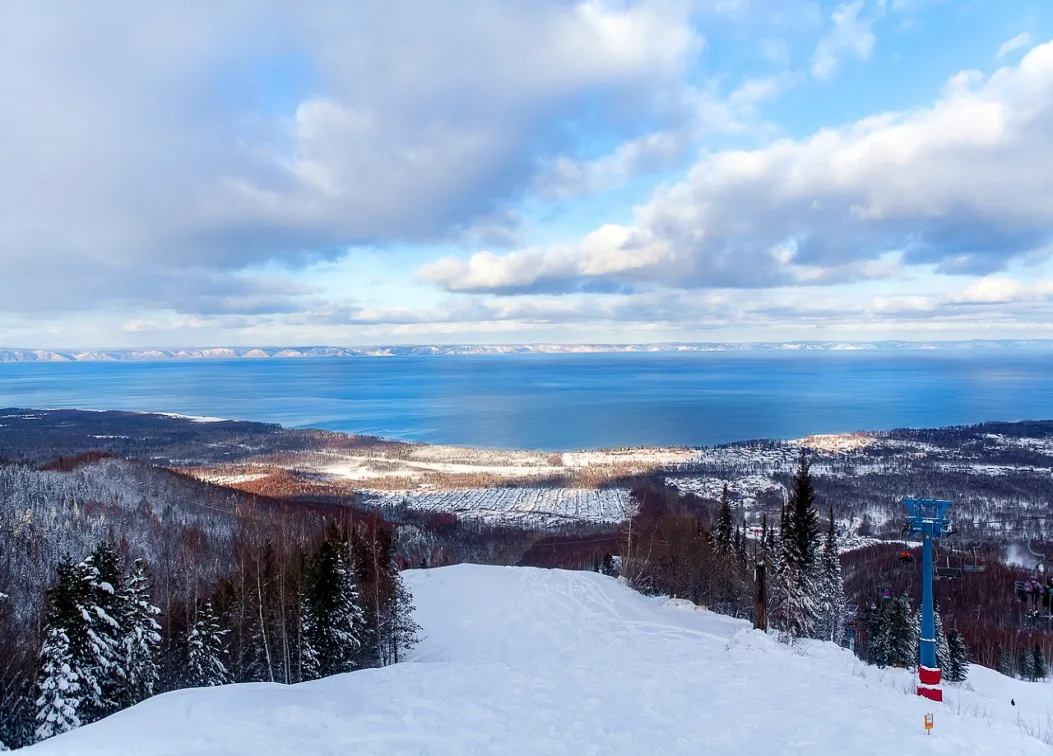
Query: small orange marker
(928, 724)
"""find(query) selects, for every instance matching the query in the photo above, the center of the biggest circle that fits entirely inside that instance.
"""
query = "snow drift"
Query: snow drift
(525, 661)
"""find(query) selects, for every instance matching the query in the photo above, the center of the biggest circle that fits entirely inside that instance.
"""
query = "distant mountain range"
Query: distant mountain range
(233, 353)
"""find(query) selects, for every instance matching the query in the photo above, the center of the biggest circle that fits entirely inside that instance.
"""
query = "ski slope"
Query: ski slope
(529, 661)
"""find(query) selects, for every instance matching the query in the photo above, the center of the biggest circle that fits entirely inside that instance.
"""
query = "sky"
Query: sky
(262, 172)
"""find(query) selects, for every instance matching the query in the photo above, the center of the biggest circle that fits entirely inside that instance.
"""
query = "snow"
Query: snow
(537, 506)
(529, 661)
(191, 418)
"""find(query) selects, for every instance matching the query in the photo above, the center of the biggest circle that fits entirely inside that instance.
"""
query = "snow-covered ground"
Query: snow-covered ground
(529, 661)
(523, 506)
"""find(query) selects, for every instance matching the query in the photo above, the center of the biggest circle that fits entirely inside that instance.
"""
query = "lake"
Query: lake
(568, 401)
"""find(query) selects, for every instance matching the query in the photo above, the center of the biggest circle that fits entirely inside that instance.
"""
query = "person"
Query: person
(1012, 701)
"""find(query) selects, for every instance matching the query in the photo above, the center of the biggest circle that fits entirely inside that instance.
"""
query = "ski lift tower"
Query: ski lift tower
(928, 518)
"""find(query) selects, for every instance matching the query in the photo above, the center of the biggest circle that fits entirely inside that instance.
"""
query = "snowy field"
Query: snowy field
(523, 506)
(528, 661)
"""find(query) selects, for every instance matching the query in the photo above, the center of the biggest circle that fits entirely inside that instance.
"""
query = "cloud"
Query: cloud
(137, 141)
(850, 35)
(1018, 42)
(700, 113)
(952, 186)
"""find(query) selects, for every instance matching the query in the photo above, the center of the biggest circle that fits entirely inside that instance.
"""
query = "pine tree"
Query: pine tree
(205, 651)
(902, 633)
(60, 691)
(141, 636)
(740, 545)
(1005, 664)
(1040, 668)
(402, 630)
(332, 619)
(957, 657)
(609, 567)
(833, 587)
(798, 597)
(723, 531)
(943, 646)
(878, 640)
(64, 682)
(1026, 665)
(102, 574)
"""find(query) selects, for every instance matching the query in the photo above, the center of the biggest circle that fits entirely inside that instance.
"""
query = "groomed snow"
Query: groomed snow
(529, 661)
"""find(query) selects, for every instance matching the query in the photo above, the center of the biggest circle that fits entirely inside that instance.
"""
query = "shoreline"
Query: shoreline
(13, 355)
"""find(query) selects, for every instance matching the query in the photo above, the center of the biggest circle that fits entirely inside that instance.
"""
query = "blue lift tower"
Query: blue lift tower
(928, 518)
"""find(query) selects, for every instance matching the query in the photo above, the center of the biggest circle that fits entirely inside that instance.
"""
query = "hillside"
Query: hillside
(520, 660)
(414, 350)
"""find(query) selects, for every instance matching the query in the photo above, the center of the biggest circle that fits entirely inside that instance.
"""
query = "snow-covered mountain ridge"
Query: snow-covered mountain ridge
(527, 661)
(292, 352)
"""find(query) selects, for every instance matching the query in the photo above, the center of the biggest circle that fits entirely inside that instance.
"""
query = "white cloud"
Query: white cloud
(1020, 41)
(138, 138)
(850, 35)
(953, 185)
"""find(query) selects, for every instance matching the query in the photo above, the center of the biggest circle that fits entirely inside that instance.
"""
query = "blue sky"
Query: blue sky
(396, 171)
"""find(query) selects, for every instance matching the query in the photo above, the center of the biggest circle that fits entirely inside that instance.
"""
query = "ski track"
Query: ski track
(529, 661)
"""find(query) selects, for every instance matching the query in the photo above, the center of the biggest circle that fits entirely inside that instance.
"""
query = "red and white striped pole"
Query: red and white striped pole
(929, 683)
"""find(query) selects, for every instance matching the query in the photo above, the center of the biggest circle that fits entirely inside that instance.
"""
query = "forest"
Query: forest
(190, 583)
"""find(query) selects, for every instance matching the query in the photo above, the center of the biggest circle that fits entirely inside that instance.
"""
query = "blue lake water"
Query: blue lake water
(569, 401)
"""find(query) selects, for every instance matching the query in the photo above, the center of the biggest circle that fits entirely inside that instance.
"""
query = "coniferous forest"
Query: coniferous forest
(303, 597)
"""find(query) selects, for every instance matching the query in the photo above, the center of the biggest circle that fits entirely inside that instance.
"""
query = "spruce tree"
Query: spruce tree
(877, 639)
(60, 692)
(943, 646)
(833, 587)
(902, 633)
(64, 679)
(205, 651)
(1005, 663)
(957, 657)
(1026, 665)
(609, 567)
(403, 632)
(740, 545)
(1038, 663)
(723, 531)
(798, 593)
(102, 573)
(141, 636)
(333, 622)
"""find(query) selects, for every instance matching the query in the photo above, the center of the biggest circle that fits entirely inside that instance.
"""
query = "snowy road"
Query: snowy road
(527, 661)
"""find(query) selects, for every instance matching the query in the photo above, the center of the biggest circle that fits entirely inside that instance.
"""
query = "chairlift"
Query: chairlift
(974, 565)
(906, 557)
(948, 566)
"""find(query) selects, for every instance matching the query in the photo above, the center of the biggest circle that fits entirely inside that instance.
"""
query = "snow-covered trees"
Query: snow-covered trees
(332, 620)
(1005, 663)
(101, 639)
(724, 530)
(1039, 666)
(832, 587)
(60, 690)
(893, 635)
(957, 657)
(205, 651)
(902, 634)
(400, 632)
(67, 657)
(140, 636)
(797, 584)
(102, 609)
